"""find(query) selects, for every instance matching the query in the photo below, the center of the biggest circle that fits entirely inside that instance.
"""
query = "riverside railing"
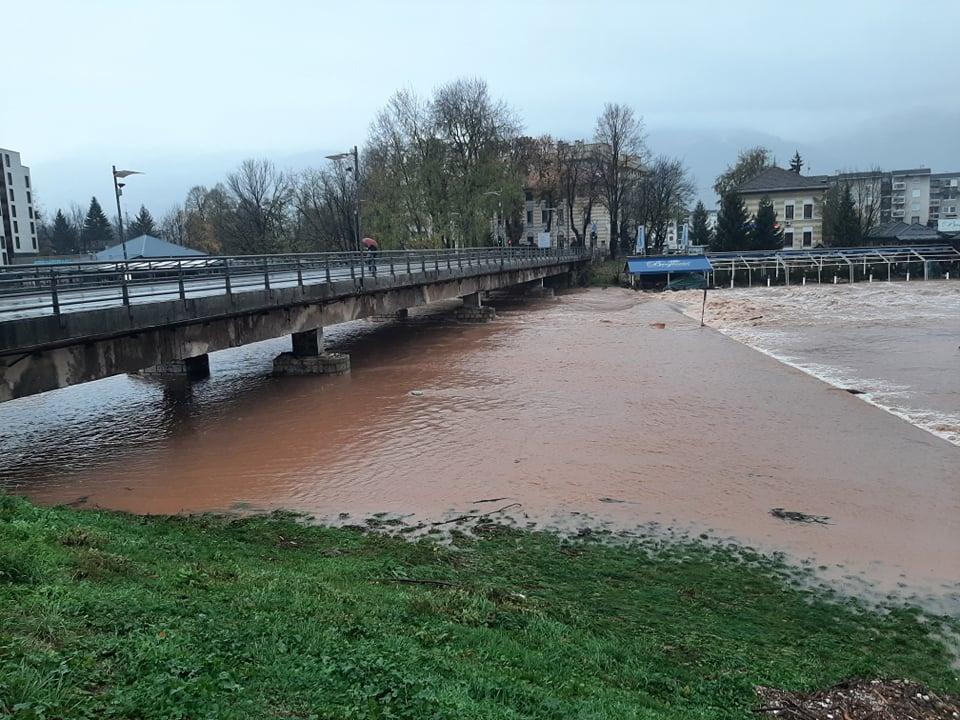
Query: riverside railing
(848, 260)
(92, 284)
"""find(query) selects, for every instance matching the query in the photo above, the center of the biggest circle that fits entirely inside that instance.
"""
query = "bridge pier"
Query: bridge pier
(473, 309)
(538, 289)
(308, 357)
(192, 368)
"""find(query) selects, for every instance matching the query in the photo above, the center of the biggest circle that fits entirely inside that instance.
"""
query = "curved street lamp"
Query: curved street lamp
(356, 182)
(118, 191)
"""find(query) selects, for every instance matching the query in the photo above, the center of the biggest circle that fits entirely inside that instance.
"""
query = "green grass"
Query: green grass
(108, 615)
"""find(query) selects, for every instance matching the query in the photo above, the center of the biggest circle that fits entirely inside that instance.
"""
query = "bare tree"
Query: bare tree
(750, 163)
(867, 191)
(173, 226)
(325, 201)
(620, 152)
(261, 195)
(577, 183)
(661, 195)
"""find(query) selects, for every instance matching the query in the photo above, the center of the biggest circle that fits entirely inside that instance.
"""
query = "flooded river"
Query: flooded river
(582, 410)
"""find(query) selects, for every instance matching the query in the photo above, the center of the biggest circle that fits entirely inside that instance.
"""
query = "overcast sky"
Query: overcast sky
(183, 90)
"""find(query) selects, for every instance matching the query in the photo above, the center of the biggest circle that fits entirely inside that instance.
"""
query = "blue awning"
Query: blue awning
(663, 265)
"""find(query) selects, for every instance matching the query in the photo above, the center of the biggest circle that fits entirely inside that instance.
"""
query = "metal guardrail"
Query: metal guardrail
(760, 259)
(64, 286)
(786, 261)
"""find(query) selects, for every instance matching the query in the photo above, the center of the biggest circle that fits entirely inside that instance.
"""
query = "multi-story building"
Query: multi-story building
(18, 229)
(910, 196)
(543, 222)
(944, 198)
(797, 201)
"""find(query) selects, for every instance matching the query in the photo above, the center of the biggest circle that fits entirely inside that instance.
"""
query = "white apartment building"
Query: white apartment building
(18, 229)
(910, 196)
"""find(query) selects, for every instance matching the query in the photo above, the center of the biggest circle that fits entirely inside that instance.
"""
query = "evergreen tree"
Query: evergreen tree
(64, 235)
(796, 164)
(142, 224)
(733, 232)
(767, 234)
(700, 232)
(97, 232)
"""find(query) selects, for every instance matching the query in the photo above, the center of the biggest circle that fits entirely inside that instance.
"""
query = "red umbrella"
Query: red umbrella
(369, 243)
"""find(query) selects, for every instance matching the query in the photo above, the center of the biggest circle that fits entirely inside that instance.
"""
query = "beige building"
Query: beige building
(797, 201)
(541, 220)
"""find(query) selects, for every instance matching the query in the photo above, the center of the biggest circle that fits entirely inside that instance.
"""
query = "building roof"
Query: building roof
(775, 179)
(146, 246)
(903, 232)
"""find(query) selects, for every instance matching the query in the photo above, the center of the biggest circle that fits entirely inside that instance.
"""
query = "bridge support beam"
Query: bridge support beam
(538, 289)
(473, 309)
(192, 368)
(309, 358)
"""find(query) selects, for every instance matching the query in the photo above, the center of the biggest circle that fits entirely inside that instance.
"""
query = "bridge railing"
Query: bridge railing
(93, 284)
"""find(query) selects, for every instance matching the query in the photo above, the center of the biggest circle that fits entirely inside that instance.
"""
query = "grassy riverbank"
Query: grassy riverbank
(604, 273)
(109, 615)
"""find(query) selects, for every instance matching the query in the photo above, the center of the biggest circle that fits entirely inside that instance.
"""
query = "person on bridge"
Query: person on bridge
(371, 248)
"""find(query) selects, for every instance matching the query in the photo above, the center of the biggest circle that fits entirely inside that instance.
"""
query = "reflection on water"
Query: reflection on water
(580, 405)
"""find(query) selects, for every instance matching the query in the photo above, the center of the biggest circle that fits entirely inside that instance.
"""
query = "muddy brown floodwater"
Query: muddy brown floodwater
(581, 409)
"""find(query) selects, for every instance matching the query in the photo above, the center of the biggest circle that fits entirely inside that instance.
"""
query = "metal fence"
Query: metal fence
(848, 260)
(65, 286)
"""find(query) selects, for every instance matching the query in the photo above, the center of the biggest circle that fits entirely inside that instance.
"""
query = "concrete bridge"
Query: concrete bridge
(65, 324)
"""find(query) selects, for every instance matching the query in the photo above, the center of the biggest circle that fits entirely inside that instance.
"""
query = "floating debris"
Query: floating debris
(799, 516)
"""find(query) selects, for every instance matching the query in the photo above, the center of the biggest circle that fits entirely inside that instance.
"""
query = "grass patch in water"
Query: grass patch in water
(111, 615)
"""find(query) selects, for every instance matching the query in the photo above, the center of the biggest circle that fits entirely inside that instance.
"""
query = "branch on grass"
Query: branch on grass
(474, 517)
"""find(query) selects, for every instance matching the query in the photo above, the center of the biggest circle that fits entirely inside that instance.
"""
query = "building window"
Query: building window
(915, 220)
(16, 226)
(29, 199)
(6, 156)
(529, 217)
(529, 239)
(807, 211)
(807, 238)
(788, 212)
(13, 210)
(33, 230)
(788, 239)
(915, 206)
(528, 196)
(30, 211)
(915, 193)
(16, 241)
(12, 198)
(26, 181)
(9, 178)
(560, 215)
(544, 216)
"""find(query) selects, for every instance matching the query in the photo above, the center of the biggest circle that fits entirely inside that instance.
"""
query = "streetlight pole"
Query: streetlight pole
(118, 191)
(355, 154)
(356, 184)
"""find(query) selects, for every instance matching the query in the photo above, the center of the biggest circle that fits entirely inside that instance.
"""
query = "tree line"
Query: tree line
(434, 172)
